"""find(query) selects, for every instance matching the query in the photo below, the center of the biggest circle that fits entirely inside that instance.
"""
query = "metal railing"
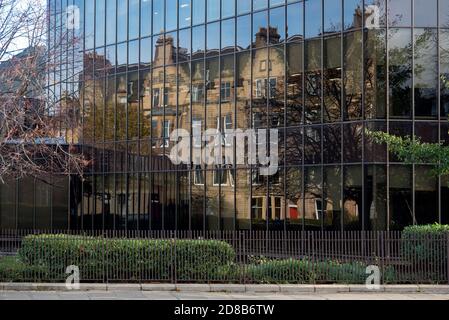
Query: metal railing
(223, 256)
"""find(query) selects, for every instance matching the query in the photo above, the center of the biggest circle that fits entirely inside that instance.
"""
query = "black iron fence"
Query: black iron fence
(224, 257)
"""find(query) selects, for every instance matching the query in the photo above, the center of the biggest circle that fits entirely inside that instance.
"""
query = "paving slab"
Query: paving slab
(164, 295)
(227, 288)
(101, 295)
(50, 287)
(45, 295)
(193, 287)
(18, 286)
(194, 296)
(130, 295)
(93, 287)
(262, 288)
(402, 289)
(331, 288)
(354, 296)
(443, 289)
(158, 287)
(307, 288)
(73, 296)
(124, 287)
(12, 295)
(365, 289)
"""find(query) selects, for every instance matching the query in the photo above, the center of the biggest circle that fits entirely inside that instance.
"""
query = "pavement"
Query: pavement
(52, 291)
(168, 295)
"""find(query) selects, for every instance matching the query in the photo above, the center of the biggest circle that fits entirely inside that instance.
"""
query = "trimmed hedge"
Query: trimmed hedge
(293, 271)
(127, 259)
(427, 244)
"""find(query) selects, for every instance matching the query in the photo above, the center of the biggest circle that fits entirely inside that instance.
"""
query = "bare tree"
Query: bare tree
(36, 124)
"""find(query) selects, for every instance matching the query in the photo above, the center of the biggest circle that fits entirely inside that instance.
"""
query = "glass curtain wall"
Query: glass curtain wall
(320, 72)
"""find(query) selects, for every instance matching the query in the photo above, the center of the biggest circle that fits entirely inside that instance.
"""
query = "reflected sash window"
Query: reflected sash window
(220, 176)
(256, 178)
(257, 120)
(154, 125)
(225, 91)
(224, 124)
(156, 97)
(227, 119)
(166, 133)
(198, 178)
(260, 84)
(275, 208)
(273, 89)
(166, 98)
(318, 209)
(261, 88)
(198, 93)
(196, 129)
(257, 208)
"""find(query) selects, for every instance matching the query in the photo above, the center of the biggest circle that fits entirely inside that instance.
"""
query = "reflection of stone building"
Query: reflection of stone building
(220, 93)
(321, 82)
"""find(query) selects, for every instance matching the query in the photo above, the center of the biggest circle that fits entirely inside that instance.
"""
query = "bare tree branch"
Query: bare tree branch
(35, 122)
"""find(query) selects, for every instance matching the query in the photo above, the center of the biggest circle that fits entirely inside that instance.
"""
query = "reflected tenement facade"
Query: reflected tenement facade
(319, 71)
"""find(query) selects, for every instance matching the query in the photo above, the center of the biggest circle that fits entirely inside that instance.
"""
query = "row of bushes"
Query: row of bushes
(45, 258)
(291, 271)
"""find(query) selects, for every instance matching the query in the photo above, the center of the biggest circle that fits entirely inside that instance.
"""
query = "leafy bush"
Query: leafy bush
(14, 270)
(127, 259)
(426, 244)
(291, 271)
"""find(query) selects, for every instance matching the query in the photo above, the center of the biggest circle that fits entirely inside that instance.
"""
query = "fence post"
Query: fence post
(447, 257)
(174, 259)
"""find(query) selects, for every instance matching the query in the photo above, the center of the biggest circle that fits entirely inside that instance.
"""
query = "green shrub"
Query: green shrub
(293, 271)
(280, 272)
(127, 259)
(14, 270)
(425, 244)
